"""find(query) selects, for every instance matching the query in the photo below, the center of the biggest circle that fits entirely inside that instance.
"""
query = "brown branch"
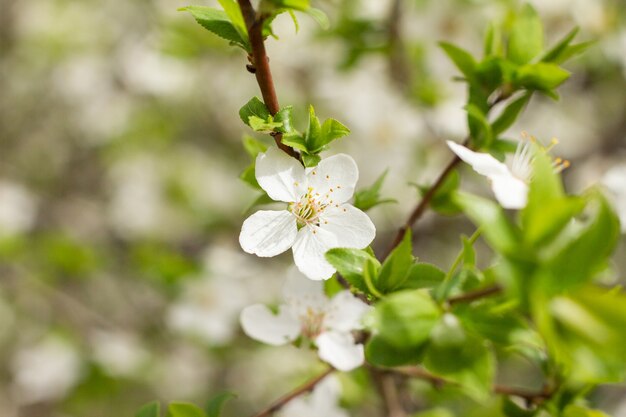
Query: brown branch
(475, 295)
(388, 389)
(261, 66)
(424, 203)
(304, 388)
(531, 397)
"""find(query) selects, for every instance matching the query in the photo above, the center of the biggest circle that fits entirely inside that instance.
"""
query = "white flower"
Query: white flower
(510, 180)
(317, 218)
(309, 313)
(119, 354)
(46, 371)
(18, 209)
(322, 402)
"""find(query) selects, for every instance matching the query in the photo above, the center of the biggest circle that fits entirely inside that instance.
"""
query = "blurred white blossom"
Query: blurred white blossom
(119, 354)
(45, 371)
(615, 181)
(18, 208)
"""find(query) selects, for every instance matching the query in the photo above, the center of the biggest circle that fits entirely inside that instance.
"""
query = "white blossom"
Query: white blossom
(509, 180)
(46, 371)
(322, 402)
(307, 312)
(18, 209)
(318, 217)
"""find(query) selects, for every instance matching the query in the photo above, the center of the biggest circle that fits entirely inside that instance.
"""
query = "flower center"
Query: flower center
(522, 163)
(308, 209)
(312, 323)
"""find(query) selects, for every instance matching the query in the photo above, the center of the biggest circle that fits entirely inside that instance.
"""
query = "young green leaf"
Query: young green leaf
(253, 146)
(502, 235)
(320, 17)
(380, 352)
(463, 60)
(265, 126)
(526, 39)
(218, 22)
(510, 114)
(405, 318)
(423, 275)
(480, 129)
(552, 55)
(180, 409)
(350, 264)
(541, 76)
(284, 116)
(234, 14)
(215, 405)
(152, 409)
(369, 197)
(332, 130)
(255, 107)
(395, 269)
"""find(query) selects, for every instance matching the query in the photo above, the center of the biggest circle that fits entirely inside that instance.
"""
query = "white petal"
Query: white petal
(302, 294)
(334, 178)
(280, 175)
(511, 192)
(339, 350)
(268, 233)
(261, 324)
(483, 163)
(351, 227)
(309, 249)
(325, 397)
(345, 312)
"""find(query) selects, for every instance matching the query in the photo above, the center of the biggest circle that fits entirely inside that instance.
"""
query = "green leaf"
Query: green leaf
(463, 60)
(541, 76)
(405, 319)
(313, 132)
(480, 128)
(215, 405)
(249, 177)
(588, 250)
(553, 54)
(295, 141)
(369, 197)
(580, 411)
(301, 5)
(493, 41)
(501, 234)
(152, 409)
(442, 202)
(265, 126)
(285, 118)
(218, 22)
(381, 353)
(395, 269)
(320, 17)
(350, 263)
(548, 209)
(255, 107)
(332, 130)
(253, 146)
(471, 364)
(509, 114)
(234, 14)
(573, 50)
(311, 160)
(526, 38)
(423, 275)
(180, 409)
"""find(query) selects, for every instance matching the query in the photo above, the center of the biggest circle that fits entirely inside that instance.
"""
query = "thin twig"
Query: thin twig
(424, 203)
(261, 66)
(304, 388)
(531, 397)
(475, 295)
(388, 389)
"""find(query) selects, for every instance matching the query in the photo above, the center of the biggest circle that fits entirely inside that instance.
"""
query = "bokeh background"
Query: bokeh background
(121, 278)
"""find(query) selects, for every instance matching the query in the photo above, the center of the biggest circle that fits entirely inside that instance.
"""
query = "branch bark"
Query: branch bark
(261, 67)
(304, 388)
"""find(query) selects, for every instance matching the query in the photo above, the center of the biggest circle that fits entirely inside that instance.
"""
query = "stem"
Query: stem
(475, 295)
(459, 257)
(388, 390)
(532, 397)
(261, 67)
(306, 387)
(424, 203)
